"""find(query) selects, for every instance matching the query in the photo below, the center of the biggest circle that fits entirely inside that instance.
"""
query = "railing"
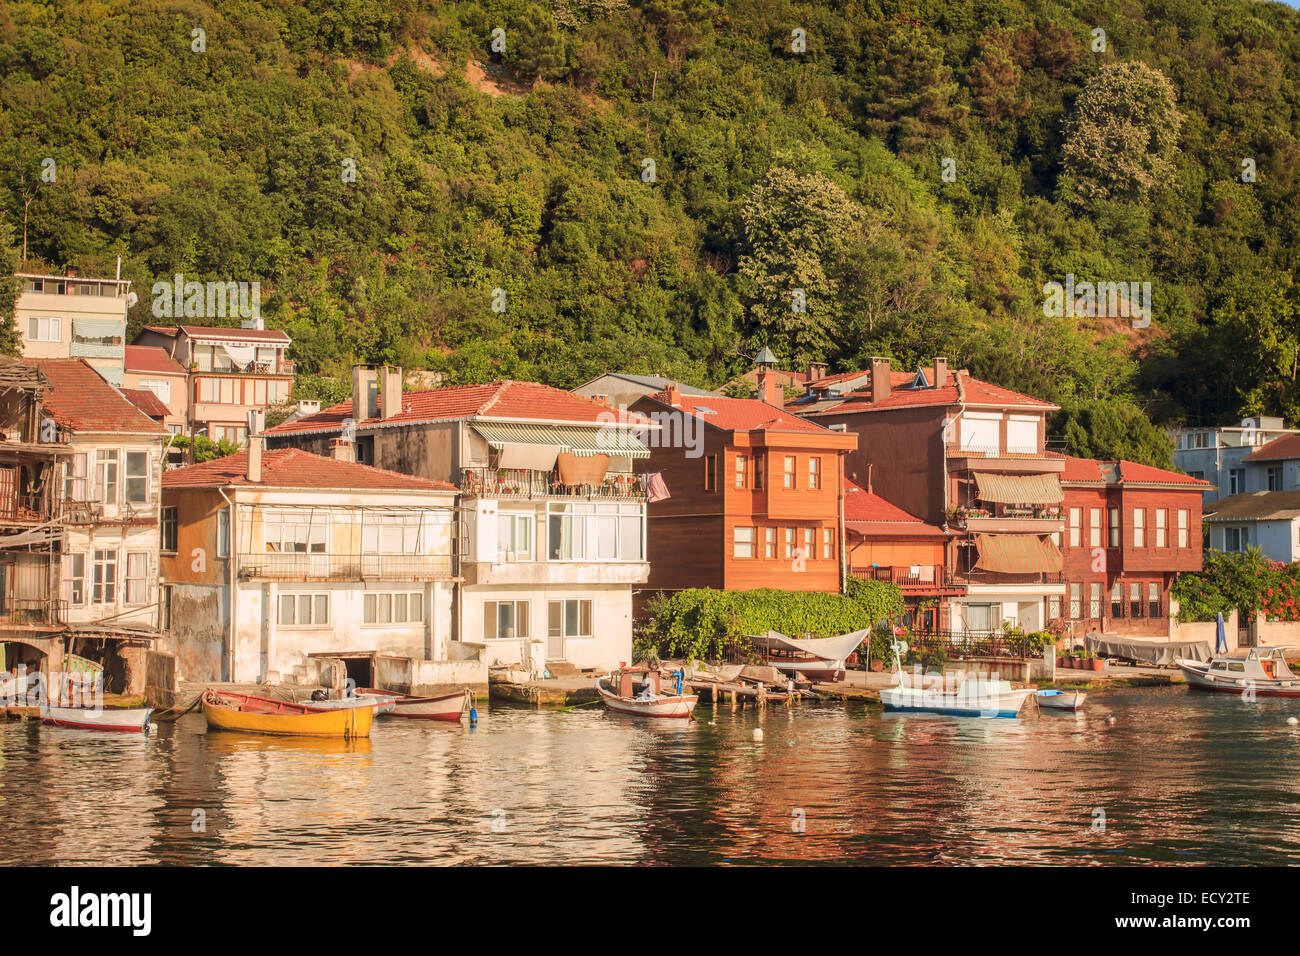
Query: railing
(344, 567)
(972, 643)
(526, 483)
(285, 367)
(956, 450)
(927, 576)
(46, 611)
(960, 578)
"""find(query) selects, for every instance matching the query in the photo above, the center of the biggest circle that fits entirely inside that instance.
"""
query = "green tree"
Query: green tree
(1114, 429)
(917, 99)
(10, 288)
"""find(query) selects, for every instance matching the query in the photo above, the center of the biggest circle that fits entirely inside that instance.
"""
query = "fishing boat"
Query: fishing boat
(1263, 670)
(227, 710)
(443, 707)
(637, 692)
(965, 696)
(1061, 699)
(817, 658)
(135, 719)
(381, 702)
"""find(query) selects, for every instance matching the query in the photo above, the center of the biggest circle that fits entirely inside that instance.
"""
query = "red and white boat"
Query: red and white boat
(636, 692)
(1263, 671)
(134, 719)
(444, 707)
(817, 658)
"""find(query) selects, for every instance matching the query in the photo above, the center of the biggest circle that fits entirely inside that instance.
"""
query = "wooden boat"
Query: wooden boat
(1060, 699)
(1263, 671)
(624, 693)
(378, 701)
(443, 707)
(135, 719)
(227, 710)
(817, 658)
(964, 696)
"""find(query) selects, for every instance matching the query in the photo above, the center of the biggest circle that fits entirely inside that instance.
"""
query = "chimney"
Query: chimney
(256, 421)
(769, 390)
(254, 459)
(940, 372)
(816, 371)
(879, 379)
(342, 450)
(390, 391)
(365, 398)
(673, 395)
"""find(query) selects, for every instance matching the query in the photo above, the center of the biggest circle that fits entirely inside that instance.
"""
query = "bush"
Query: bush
(1246, 581)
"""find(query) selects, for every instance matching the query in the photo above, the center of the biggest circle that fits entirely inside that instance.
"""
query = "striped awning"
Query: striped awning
(1019, 489)
(1017, 553)
(574, 439)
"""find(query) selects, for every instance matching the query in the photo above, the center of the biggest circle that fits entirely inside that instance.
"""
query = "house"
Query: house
(72, 317)
(275, 560)
(1131, 529)
(552, 531)
(746, 384)
(620, 389)
(231, 372)
(109, 498)
(1226, 457)
(970, 456)
(150, 367)
(1274, 466)
(882, 542)
(1268, 520)
(755, 494)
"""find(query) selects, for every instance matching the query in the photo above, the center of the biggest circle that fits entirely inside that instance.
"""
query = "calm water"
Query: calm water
(1181, 778)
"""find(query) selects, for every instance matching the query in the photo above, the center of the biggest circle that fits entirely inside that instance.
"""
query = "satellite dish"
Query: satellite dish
(131, 299)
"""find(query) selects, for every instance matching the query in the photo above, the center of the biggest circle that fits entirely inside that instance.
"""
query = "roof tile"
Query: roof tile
(295, 468)
(78, 398)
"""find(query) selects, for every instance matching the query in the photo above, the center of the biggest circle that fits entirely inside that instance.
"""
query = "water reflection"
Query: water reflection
(1179, 777)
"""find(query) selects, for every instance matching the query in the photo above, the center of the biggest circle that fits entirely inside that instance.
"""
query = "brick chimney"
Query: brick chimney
(342, 450)
(254, 472)
(390, 391)
(816, 371)
(879, 379)
(365, 393)
(769, 390)
(940, 372)
(673, 395)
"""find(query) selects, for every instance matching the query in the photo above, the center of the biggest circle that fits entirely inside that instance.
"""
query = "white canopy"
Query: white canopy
(823, 648)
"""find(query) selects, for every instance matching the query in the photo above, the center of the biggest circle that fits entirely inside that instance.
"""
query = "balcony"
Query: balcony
(928, 579)
(979, 576)
(1007, 519)
(283, 367)
(33, 612)
(521, 483)
(344, 567)
(1010, 460)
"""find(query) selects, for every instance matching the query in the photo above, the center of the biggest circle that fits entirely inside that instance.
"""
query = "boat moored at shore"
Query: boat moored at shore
(637, 692)
(1263, 671)
(227, 710)
(129, 719)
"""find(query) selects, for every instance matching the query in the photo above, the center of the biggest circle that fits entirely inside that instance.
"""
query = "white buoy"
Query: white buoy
(1292, 721)
(758, 733)
(1110, 720)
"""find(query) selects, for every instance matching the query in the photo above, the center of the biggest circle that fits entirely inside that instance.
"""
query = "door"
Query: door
(555, 631)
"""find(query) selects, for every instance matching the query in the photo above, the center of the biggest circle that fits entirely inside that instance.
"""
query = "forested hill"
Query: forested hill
(647, 181)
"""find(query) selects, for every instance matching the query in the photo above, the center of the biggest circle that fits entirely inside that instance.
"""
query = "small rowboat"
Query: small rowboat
(378, 702)
(619, 691)
(444, 707)
(226, 710)
(135, 719)
(1061, 699)
(960, 695)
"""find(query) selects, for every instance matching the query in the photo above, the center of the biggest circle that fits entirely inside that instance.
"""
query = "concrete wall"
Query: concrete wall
(610, 644)
(199, 614)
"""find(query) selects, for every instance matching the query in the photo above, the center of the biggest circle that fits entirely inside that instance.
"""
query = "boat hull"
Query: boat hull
(261, 715)
(127, 719)
(376, 702)
(823, 672)
(1199, 679)
(678, 706)
(914, 700)
(450, 707)
(1064, 700)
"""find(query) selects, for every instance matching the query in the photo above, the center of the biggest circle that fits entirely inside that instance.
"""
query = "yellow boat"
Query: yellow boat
(226, 710)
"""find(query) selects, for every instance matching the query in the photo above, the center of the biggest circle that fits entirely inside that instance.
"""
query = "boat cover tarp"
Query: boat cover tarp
(823, 648)
(1017, 553)
(1148, 652)
(1019, 489)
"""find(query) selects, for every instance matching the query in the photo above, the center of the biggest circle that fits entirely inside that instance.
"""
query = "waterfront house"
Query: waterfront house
(1233, 459)
(755, 494)
(230, 372)
(967, 455)
(1268, 520)
(552, 518)
(150, 367)
(276, 560)
(73, 317)
(882, 542)
(1130, 530)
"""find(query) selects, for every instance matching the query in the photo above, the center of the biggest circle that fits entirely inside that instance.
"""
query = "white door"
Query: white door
(555, 631)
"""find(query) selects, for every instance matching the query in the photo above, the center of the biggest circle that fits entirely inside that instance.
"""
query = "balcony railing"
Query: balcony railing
(284, 367)
(959, 578)
(526, 483)
(972, 643)
(50, 612)
(344, 567)
(926, 576)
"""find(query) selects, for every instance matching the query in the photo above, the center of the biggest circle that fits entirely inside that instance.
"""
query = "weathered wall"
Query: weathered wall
(198, 627)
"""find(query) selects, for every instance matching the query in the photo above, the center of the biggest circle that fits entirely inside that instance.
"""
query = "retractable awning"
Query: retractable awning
(573, 439)
(1019, 489)
(1017, 553)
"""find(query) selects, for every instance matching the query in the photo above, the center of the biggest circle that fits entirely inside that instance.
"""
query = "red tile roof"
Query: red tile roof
(147, 402)
(862, 506)
(974, 392)
(509, 400)
(1288, 446)
(1089, 471)
(79, 399)
(294, 468)
(276, 336)
(740, 414)
(151, 358)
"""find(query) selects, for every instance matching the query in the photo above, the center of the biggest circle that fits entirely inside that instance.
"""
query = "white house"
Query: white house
(1268, 520)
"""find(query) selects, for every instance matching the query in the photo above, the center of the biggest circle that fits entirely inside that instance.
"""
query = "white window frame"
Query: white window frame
(48, 323)
(310, 600)
(380, 608)
(137, 578)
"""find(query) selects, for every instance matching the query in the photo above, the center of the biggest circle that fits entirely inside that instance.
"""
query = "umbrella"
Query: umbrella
(1222, 646)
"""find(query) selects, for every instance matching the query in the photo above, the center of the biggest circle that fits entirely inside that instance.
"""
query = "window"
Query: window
(1153, 599)
(137, 477)
(742, 466)
(742, 543)
(982, 434)
(1182, 528)
(394, 533)
(105, 580)
(1076, 593)
(809, 539)
(74, 578)
(769, 542)
(710, 472)
(789, 472)
(514, 537)
(1236, 481)
(302, 532)
(1094, 599)
(1094, 527)
(1022, 435)
(789, 542)
(106, 464)
(1275, 478)
(160, 387)
(1161, 519)
(1139, 528)
(137, 577)
(1135, 599)
(814, 473)
(505, 620)
(1198, 475)
(828, 543)
(1117, 600)
(1114, 528)
(590, 532)
(1076, 519)
(401, 607)
(304, 610)
(74, 478)
(568, 618)
(223, 533)
(43, 328)
(758, 471)
(1053, 606)
(165, 607)
(168, 526)
(1236, 539)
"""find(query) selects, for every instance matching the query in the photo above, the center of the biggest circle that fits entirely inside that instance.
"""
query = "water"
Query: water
(1181, 777)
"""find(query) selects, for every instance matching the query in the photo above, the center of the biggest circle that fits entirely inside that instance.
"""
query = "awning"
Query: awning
(1017, 553)
(241, 355)
(573, 439)
(1019, 489)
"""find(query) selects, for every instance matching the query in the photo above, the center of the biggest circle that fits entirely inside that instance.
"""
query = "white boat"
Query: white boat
(378, 701)
(444, 707)
(964, 696)
(1061, 699)
(624, 693)
(101, 718)
(817, 658)
(1263, 671)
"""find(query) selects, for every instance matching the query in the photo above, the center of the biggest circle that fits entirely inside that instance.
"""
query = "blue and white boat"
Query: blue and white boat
(964, 695)
(1061, 699)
